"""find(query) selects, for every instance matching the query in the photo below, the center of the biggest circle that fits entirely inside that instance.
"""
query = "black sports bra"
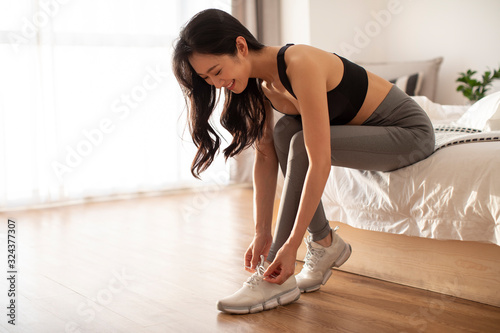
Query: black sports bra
(345, 100)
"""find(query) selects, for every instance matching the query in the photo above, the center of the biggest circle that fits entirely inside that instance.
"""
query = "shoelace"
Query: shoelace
(313, 255)
(256, 277)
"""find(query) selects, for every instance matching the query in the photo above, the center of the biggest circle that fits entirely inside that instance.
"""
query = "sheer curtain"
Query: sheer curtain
(89, 106)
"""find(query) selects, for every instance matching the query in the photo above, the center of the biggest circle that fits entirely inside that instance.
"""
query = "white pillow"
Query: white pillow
(483, 115)
(493, 124)
(438, 113)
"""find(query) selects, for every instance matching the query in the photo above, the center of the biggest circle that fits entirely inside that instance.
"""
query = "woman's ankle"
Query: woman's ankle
(325, 242)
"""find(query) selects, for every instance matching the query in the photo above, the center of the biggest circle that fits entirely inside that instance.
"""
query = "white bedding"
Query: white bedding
(452, 195)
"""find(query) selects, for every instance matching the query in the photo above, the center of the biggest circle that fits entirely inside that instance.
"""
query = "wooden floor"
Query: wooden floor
(159, 264)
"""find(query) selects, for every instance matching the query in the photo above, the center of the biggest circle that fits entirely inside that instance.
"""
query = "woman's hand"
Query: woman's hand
(259, 246)
(283, 265)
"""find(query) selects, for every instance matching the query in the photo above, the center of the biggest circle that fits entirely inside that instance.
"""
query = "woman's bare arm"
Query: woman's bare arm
(265, 173)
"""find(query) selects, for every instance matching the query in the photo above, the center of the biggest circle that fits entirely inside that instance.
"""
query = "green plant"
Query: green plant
(474, 89)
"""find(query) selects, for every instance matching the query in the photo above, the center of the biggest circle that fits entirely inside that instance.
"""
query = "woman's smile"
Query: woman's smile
(231, 85)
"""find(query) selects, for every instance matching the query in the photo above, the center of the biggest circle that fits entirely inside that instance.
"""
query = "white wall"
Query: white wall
(295, 22)
(466, 33)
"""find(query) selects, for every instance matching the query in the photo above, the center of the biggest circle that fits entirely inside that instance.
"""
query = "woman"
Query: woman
(335, 113)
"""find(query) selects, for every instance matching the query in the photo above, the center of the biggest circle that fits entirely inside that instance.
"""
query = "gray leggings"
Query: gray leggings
(397, 134)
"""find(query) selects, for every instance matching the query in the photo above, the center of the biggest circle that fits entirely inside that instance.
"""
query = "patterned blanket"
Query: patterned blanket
(449, 136)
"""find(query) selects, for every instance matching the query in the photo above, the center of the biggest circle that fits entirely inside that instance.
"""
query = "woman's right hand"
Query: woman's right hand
(259, 246)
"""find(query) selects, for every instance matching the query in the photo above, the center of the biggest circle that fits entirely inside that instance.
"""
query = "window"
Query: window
(88, 103)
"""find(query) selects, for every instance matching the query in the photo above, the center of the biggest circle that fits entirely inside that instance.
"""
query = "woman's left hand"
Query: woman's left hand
(282, 267)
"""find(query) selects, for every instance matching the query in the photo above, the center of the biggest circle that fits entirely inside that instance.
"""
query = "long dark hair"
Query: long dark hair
(214, 31)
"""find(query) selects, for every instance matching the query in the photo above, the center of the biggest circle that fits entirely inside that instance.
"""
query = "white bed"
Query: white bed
(452, 195)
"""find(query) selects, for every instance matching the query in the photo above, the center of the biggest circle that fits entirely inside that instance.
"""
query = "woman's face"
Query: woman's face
(222, 71)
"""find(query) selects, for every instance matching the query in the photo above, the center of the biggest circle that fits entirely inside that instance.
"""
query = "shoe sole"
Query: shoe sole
(346, 254)
(284, 298)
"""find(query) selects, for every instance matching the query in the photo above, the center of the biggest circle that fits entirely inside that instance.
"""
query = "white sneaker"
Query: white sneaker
(319, 260)
(257, 295)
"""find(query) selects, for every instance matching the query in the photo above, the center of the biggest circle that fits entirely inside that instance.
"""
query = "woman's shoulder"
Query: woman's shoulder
(297, 52)
(301, 54)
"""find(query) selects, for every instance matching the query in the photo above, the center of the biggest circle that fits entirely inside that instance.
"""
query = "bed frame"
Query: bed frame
(468, 270)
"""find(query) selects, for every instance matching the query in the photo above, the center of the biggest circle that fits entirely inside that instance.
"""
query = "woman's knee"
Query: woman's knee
(284, 130)
(423, 148)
